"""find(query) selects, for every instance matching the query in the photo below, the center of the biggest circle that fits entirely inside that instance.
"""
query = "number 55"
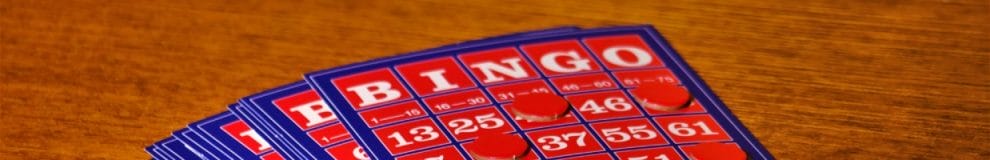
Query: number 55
(633, 132)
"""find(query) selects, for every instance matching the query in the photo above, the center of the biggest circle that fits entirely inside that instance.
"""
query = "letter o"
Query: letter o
(611, 55)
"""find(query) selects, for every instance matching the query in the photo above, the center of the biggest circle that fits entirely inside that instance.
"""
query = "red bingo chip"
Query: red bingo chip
(494, 146)
(541, 107)
(716, 151)
(662, 96)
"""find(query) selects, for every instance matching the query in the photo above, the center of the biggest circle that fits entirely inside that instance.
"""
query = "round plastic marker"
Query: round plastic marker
(718, 151)
(498, 147)
(540, 107)
(662, 96)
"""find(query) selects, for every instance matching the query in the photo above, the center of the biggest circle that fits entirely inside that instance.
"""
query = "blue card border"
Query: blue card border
(192, 140)
(153, 151)
(177, 149)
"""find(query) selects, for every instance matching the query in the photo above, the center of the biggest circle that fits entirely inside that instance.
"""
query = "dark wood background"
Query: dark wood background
(819, 79)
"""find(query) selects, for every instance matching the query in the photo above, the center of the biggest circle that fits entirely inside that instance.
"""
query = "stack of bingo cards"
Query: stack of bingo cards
(561, 93)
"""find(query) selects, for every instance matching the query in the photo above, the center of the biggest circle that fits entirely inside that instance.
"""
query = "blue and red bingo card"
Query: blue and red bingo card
(200, 145)
(305, 123)
(235, 138)
(433, 104)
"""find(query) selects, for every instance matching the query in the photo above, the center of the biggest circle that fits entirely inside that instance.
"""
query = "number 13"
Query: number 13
(421, 134)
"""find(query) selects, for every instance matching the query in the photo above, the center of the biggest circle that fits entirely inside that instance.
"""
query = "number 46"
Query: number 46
(617, 104)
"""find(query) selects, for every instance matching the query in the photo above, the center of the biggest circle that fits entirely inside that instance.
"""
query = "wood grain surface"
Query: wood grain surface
(820, 79)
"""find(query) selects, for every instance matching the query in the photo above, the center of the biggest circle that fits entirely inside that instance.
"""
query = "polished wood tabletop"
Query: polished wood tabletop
(820, 79)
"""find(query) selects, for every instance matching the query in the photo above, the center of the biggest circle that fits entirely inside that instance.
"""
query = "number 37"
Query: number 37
(554, 142)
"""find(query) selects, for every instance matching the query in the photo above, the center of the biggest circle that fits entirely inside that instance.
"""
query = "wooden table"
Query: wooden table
(812, 80)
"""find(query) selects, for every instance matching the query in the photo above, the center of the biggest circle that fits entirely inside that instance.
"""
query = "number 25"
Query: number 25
(486, 121)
